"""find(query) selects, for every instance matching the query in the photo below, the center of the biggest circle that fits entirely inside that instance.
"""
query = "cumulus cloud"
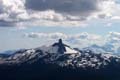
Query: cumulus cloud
(113, 37)
(83, 39)
(58, 35)
(54, 12)
(11, 12)
(47, 35)
(108, 42)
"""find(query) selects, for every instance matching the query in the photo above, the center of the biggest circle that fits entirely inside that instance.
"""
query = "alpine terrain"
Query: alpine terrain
(59, 62)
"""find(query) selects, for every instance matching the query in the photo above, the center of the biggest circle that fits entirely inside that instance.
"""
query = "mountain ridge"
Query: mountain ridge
(48, 62)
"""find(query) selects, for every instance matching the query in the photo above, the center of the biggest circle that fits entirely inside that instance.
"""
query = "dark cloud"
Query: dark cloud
(6, 23)
(54, 12)
(74, 7)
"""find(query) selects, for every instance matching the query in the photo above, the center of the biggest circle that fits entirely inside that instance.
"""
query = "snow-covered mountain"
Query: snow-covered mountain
(59, 59)
(62, 55)
(110, 44)
(107, 48)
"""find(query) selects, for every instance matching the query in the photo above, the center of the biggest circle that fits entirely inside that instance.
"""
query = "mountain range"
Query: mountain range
(59, 62)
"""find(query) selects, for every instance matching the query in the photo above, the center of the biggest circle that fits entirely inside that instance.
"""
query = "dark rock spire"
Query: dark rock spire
(61, 46)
